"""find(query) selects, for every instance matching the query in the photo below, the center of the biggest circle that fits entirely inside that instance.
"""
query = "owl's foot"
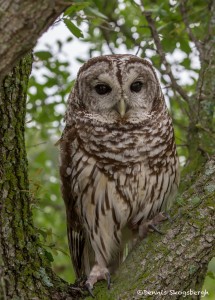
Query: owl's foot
(97, 273)
(146, 226)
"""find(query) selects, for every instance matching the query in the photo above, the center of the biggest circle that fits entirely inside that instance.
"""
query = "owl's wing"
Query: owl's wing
(74, 225)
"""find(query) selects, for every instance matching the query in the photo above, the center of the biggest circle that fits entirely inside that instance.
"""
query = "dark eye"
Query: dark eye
(136, 86)
(102, 89)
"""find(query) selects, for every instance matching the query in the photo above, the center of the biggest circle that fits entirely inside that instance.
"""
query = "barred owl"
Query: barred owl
(119, 167)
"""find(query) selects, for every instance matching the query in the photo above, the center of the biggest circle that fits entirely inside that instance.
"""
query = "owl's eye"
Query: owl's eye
(102, 89)
(136, 86)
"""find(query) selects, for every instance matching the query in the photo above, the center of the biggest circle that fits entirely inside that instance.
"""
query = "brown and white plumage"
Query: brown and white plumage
(119, 166)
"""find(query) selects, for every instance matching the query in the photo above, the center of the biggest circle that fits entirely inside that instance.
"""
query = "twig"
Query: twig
(162, 55)
(180, 103)
(138, 49)
(211, 132)
(192, 37)
(36, 145)
(107, 39)
(179, 100)
(211, 6)
(182, 145)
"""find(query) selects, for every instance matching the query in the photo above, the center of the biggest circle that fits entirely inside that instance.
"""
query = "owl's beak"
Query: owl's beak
(121, 107)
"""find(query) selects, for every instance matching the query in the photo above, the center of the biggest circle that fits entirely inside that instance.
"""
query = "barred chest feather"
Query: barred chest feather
(132, 169)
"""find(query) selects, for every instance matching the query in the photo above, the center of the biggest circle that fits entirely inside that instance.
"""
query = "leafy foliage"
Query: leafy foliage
(47, 95)
(112, 27)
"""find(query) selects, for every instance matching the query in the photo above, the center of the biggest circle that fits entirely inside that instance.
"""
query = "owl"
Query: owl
(119, 168)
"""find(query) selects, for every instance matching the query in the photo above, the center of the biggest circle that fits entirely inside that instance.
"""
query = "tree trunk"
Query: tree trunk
(24, 266)
(21, 24)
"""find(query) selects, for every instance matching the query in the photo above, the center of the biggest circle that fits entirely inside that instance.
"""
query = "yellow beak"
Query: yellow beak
(122, 107)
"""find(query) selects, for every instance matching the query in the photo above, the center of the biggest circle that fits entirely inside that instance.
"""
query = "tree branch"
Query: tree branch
(203, 114)
(162, 55)
(185, 18)
(21, 24)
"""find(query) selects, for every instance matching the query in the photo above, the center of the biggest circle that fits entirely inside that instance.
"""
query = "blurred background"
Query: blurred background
(85, 30)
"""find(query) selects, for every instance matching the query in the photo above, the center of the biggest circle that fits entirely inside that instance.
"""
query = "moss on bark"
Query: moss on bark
(25, 269)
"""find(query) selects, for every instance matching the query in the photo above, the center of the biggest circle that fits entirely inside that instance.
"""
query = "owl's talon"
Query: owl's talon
(89, 289)
(166, 216)
(162, 216)
(152, 226)
(97, 273)
(146, 225)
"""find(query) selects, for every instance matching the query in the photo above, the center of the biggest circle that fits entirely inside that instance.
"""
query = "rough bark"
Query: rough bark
(21, 23)
(24, 267)
(16, 231)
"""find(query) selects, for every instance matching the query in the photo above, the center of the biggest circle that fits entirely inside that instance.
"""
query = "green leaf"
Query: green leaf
(211, 275)
(186, 63)
(49, 256)
(43, 233)
(61, 250)
(184, 43)
(75, 8)
(43, 55)
(73, 28)
(97, 13)
(160, 28)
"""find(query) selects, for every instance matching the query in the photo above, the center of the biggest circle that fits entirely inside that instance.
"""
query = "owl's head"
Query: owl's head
(116, 88)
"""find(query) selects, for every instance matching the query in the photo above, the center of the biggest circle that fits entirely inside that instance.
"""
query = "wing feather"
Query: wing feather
(75, 231)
